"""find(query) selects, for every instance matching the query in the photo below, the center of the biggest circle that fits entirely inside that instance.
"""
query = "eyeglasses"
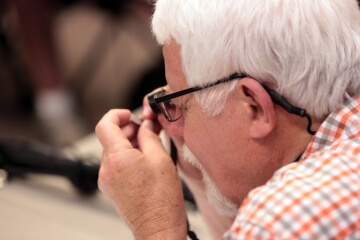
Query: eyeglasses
(162, 103)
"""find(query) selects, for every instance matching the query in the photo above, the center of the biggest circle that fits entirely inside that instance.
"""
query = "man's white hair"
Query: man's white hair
(307, 50)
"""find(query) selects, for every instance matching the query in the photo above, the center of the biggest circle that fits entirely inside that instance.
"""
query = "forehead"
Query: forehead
(175, 76)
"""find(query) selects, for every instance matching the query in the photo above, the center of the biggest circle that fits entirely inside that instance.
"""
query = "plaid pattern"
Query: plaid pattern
(316, 198)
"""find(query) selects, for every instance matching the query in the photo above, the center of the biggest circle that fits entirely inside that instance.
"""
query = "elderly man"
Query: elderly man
(263, 99)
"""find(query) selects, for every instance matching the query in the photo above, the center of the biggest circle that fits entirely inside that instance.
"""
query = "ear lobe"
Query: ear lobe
(259, 107)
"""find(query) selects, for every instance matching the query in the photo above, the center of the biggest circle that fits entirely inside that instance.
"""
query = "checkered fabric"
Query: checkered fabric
(315, 198)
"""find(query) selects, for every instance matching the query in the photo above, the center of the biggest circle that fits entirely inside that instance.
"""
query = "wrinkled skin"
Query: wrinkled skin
(141, 181)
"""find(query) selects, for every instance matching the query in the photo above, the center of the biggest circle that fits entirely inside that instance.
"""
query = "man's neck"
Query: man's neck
(296, 139)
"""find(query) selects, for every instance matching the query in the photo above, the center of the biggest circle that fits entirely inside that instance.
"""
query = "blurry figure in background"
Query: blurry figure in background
(57, 104)
(54, 104)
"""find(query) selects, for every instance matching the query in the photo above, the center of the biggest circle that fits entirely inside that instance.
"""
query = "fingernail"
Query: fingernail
(146, 111)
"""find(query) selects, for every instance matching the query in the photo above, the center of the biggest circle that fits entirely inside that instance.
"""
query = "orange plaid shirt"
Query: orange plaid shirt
(315, 198)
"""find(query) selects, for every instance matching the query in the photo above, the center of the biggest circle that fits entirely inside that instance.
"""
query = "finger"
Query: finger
(149, 142)
(130, 130)
(109, 130)
(147, 112)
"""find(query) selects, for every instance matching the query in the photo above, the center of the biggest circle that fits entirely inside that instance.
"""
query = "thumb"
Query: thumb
(149, 142)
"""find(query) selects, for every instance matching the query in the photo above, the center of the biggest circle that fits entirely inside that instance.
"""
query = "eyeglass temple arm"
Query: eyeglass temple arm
(195, 88)
(275, 97)
(281, 101)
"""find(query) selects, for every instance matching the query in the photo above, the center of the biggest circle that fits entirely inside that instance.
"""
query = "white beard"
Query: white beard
(221, 203)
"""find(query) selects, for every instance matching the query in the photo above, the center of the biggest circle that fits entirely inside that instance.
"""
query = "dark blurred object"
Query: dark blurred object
(19, 158)
(151, 80)
(15, 89)
(65, 96)
(113, 6)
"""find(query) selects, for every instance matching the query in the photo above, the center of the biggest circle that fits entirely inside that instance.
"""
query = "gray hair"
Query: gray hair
(308, 51)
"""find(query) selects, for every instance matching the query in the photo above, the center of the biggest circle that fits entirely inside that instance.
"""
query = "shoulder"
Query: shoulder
(306, 200)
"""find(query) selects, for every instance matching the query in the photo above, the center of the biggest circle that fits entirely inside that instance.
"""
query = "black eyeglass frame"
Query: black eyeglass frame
(275, 97)
(155, 101)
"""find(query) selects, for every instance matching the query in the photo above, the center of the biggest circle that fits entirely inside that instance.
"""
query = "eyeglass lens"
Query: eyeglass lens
(168, 108)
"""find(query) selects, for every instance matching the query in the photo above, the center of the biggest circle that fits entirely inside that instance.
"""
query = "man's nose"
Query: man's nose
(176, 129)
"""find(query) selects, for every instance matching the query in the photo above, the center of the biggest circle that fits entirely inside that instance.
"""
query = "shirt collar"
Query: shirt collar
(339, 125)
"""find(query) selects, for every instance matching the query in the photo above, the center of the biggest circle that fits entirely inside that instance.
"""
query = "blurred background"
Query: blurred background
(63, 64)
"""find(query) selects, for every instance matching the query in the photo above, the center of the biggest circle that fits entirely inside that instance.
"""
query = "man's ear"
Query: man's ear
(259, 107)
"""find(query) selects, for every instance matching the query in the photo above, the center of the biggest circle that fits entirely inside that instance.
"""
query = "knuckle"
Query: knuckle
(103, 176)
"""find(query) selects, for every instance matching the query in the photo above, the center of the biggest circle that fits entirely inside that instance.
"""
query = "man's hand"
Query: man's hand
(140, 179)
